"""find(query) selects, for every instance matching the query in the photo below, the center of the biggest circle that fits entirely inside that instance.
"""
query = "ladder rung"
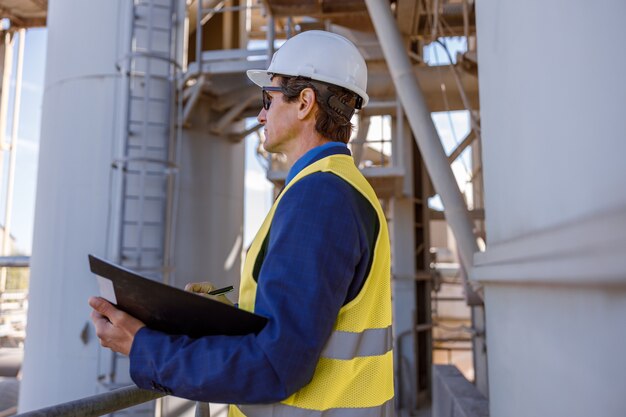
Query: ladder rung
(138, 50)
(139, 74)
(136, 131)
(150, 268)
(146, 223)
(141, 122)
(148, 148)
(149, 173)
(152, 5)
(132, 257)
(135, 250)
(153, 28)
(139, 134)
(145, 197)
(150, 99)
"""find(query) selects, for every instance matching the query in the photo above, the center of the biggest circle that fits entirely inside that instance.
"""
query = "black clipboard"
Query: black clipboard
(172, 310)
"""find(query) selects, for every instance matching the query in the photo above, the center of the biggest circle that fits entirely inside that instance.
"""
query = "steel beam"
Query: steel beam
(233, 113)
(424, 129)
(462, 146)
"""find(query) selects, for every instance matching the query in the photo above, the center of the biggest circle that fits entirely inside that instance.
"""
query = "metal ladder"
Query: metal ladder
(145, 172)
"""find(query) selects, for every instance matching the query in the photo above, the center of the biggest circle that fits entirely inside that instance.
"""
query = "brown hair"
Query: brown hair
(330, 121)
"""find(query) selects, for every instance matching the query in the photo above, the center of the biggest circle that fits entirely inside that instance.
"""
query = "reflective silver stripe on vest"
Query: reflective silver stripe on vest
(282, 410)
(347, 345)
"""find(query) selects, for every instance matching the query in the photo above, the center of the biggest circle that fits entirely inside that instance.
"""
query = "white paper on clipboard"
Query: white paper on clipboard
(107, 291)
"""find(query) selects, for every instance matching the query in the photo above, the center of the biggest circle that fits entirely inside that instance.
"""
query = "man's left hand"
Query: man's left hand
(115, 329)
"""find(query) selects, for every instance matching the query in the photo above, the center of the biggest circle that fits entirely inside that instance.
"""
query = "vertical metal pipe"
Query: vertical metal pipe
(435, 27)
(199, 36)
(12, 153)
(147, 77)
(244, 15)
(397, 142)
(271, 36)
(4, 100)
(181, 39)
(4, 108)
(227, 25)
(202, 410)
(358, 143)
(114, 230)
(289, 27)
(172, 112)
(182, 55)
(466, 24)
(423, 128)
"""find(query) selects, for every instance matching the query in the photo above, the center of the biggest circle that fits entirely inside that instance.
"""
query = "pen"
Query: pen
(221, 291)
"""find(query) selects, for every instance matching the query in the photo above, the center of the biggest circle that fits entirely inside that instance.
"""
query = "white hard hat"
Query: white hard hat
(321, 56)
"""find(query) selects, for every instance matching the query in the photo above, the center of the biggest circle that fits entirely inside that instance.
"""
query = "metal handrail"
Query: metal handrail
(97, 405)
(14, 261)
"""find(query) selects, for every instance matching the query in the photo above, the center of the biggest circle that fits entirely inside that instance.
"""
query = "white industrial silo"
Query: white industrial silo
(553, 96)
(80, 116)
(99, 123)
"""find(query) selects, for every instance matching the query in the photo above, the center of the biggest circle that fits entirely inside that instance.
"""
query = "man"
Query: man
(318, 269)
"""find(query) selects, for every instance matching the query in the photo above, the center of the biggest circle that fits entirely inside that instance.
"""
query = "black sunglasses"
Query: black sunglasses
(267, 99)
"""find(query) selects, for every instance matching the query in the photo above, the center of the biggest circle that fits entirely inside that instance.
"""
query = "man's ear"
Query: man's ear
(306, 103)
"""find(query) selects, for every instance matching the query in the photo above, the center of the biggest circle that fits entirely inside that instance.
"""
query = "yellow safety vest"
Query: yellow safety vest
(354, 376)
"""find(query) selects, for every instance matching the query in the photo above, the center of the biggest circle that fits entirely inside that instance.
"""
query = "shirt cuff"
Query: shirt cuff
(141, 370)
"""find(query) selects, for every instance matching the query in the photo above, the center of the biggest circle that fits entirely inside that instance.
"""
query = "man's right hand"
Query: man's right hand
(204, 288)
(115, 329)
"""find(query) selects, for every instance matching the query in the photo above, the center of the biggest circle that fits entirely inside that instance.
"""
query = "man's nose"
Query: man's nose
(261, 117)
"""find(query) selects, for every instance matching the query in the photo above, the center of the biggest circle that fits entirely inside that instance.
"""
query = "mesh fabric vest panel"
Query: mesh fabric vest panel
(354, 376)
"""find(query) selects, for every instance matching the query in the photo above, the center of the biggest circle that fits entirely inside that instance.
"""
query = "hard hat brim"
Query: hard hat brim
(262, 78)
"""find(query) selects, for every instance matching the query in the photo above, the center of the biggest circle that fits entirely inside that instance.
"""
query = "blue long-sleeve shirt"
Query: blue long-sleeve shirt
(317, 257)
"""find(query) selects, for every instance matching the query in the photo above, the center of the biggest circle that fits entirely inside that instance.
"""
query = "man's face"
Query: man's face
(280, 121)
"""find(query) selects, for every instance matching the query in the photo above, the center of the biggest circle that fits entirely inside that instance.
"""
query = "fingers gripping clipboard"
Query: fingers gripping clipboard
(168, 309)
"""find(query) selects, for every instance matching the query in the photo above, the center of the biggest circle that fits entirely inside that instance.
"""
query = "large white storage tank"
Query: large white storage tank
(82, 120)
(553, 96)
(78, 131)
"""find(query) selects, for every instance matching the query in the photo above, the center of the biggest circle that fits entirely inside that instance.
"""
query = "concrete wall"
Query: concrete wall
(552, 108)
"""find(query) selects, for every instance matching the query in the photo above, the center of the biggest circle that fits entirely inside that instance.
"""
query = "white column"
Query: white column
(209, 232)
(8, 208)
(79, 128)
(554, 272)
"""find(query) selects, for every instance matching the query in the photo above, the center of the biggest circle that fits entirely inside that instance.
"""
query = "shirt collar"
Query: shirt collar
(310, 156)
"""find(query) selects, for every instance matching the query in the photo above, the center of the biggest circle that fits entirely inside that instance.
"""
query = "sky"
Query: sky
(258, 190)
(27, 153)
(452, 127)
